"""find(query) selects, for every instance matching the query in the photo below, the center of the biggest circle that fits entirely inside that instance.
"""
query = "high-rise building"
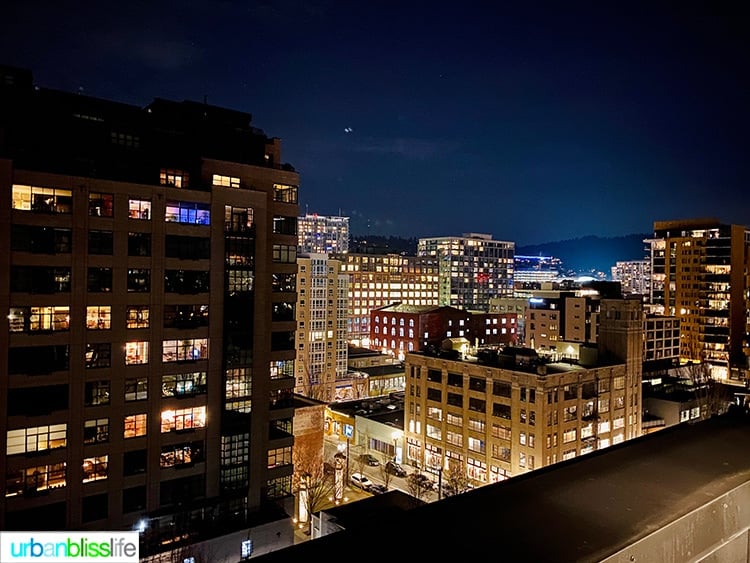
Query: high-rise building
(148, 271)
(491, 420)
(699, 275)
(321, 340)
(377, 280)
(323, 234)
(634, 277)
(473, 268)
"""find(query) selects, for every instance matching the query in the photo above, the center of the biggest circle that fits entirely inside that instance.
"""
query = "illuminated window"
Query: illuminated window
(183, 384)
(176, 178)
(183, 419)
(187, 212)
(139, 209)
(285, 193)
(95, 468)
(98, 317)
(36, 439)
(137, 316)
(190, 349)
(35, 479)
(42, 200)
(101, 205)
(135, 425)
(225, 181)
(136, 353)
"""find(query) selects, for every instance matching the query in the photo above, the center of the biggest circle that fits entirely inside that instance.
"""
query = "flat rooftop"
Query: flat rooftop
(580, 510)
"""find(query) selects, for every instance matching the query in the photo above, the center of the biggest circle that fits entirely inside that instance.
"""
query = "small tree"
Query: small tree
(309, 474)
(418, 485)
(712, 395)
(384, 475)
(455, 477)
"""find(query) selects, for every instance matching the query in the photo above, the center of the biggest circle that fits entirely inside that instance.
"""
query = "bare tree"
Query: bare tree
(314, 384)
(418, 485)
(713, 396)
(384, 475)
(455, 478)
(310, 476)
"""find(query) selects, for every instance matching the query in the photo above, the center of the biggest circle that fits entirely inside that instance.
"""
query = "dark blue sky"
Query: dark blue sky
(532, 121)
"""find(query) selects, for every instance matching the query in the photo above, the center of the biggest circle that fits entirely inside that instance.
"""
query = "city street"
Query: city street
(376, 474)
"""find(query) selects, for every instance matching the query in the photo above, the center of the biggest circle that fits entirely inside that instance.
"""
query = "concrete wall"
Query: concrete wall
(717, 532)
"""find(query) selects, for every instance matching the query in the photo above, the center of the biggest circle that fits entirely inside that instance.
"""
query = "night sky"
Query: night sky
(530, 121)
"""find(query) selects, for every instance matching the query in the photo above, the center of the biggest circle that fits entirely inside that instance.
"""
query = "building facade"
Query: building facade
(699, 275)
(399, 329)
(323, 234)
(149, 267)
(634, 277)
(473, 268)
(492, 422)
(376, 280)
(322, 308)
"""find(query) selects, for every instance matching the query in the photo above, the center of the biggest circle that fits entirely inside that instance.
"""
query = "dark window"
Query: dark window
(187, 248)
(455, 380)
(39, 279)
(139, 280)
(134, 462)
(238, 312)
(41, 240)
(94, 507)
(186, 281)
(455, 400)
(434, 394)
(284, 225)
(477, 405)
(96, 393)
(282, 341)
(134, 499)
(500, 410)
(501, 389)
(283, 282)
(99, 280)
(139, 244)
(185, 316)
(282, 312)
(434, 375)
(178, 490)
(34, 401)
(38, 359)
(98, 355)
(100, 242)
(49, 517)
(478, 384)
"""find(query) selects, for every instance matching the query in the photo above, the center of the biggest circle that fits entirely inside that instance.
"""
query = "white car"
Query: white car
(361, 481)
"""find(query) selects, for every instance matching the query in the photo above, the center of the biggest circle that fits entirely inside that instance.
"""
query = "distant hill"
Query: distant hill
(591, 253)
(585, 254)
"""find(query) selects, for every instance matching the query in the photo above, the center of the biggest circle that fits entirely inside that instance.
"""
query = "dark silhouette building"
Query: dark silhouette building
(147, 378)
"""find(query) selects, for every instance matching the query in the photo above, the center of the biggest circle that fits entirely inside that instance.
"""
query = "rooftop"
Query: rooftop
(580, 510)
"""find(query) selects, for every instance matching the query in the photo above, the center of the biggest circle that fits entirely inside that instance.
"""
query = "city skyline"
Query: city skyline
(533, 124)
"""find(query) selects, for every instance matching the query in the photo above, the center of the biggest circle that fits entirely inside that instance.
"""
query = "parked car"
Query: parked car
(423, 481)
(395, 469)
(361, 481)
(377, 489)
(369, 459)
